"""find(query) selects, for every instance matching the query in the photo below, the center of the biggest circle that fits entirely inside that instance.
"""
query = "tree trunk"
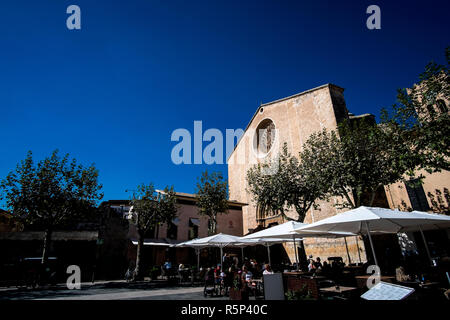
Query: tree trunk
(302, 258)
(140, 249)
(46, 248)
(358, 199)
(372, 198)
(212, 225)
(352, 204)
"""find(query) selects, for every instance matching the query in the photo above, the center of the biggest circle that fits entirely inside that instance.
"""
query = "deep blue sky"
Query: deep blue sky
(113, 92)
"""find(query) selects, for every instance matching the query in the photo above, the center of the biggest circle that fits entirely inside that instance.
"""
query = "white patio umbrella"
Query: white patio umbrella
(218, 240)
(367, 220)
(329, 234)
(242, 245)
(196, 248)
(267, 242)
(281, 231)
(288, 231)
(431, 226)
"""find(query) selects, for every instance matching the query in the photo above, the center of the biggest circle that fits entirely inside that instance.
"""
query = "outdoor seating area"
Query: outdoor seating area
(332, 279)
(244, 268)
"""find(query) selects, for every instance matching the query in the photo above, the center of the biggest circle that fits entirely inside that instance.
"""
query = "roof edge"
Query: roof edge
(302, 93)
(329, 85)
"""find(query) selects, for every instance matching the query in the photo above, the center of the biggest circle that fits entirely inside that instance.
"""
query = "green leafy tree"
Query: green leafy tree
(282, 183)
(265, 184)
(212, 198)
(50, 194)
(421, 118)
(149, 210)
(305, 186)
(355, 161)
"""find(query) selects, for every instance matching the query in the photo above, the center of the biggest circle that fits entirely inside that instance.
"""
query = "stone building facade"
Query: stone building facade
(188, 225)
(294, 119)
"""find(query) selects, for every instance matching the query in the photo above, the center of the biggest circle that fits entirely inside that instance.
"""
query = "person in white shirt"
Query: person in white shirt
(268, 269)
(311, 266)
(247, 275)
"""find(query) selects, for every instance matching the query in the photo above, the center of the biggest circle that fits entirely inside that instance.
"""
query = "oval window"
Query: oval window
(264, 137)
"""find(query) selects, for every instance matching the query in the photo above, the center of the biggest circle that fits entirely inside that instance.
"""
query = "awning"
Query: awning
(147, 243)
(157, 242)
(282, 231)
(195, 222)
(56, 236)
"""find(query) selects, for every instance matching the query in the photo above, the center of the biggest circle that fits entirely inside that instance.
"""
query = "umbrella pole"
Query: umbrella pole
(295, 251)
(268, 253)
(371, 243)
(221, 259)
(242, 254)
(198, 259)
(426, 245)
(357, 246)
(348, 254)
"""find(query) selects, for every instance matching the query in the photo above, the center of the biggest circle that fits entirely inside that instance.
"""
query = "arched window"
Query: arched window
(264, 137)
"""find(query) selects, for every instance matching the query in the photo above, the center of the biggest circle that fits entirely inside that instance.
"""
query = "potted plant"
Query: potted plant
(302, 294)
(154, 273)
(236, 290)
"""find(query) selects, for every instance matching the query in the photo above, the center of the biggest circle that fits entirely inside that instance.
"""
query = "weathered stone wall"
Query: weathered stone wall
(230, 223)
(295, 119)
(436, 187)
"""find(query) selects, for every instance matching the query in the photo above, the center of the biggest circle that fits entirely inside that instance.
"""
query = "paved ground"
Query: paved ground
(118, 290)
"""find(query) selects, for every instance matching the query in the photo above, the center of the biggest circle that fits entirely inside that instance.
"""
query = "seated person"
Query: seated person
(246, 275)
(268, 269)
(400, 274)
(258, 270)
(237, 279)
(318, 263)
(167, 265)
(247, 263)
(202, 273)
(246, 278)
(217, 274)
(228, 278)
(235, 262)
(311, 266)
(209, 277)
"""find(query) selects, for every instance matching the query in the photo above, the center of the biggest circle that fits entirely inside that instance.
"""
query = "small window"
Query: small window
(193, 228)
(172, 229)
(417, 195)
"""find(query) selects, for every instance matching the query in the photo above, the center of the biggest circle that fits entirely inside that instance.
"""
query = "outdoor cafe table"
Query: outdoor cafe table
(362, 280)
(299, 274)
(295, 273)
(340, 290)
(415, 284)
(353, 268)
